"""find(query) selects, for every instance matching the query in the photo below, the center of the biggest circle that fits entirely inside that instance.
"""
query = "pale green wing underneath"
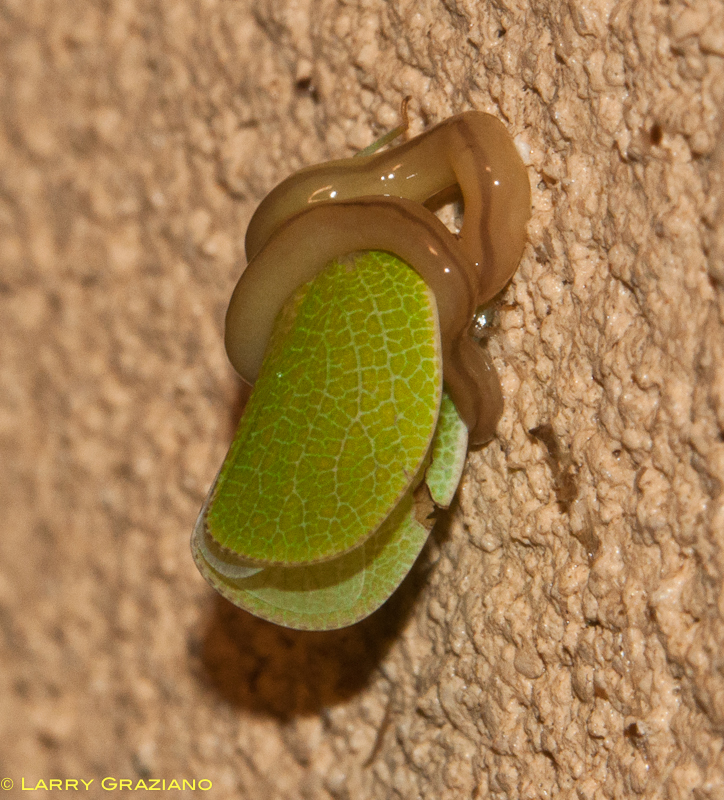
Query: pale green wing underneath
(449, 449)
(335, 593)
(344, 590)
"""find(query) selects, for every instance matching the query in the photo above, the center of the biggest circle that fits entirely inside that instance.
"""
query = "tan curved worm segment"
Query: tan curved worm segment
(375, 202)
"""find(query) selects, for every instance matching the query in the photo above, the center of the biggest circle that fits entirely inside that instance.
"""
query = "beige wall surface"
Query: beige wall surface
(563, 633)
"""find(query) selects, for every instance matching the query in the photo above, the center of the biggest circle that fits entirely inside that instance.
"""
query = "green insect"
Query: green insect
(352, 314)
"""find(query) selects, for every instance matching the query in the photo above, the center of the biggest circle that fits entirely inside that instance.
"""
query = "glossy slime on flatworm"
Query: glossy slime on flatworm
(375, 202)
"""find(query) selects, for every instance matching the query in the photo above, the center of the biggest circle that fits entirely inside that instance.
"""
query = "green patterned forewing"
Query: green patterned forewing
(340, 419)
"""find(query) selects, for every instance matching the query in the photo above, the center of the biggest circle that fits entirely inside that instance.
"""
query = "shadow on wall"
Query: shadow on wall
(273, 671)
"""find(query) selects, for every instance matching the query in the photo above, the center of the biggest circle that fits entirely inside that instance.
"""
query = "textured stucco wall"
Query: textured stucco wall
(540, 648)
